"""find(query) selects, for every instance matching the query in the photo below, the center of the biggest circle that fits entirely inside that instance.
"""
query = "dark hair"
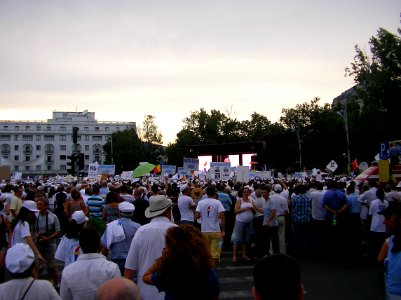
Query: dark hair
(210, 191)
(89, 240)
(111, 197)
(277, 276)
(25, 215)
(380, 194)
(185, 262)
(25, 274)
(73, 229)
(75, 194)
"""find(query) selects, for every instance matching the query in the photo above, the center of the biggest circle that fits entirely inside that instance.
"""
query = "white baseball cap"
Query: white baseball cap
(19, 258)
(79, 217)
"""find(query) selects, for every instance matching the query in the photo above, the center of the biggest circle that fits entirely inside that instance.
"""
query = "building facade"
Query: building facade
(42, 147)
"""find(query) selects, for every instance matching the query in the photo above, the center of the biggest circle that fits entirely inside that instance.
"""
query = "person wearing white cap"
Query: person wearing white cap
(119, 234)
(186, 205)
(68, 250)
(21, 232)
(20, 262)
(148, 243)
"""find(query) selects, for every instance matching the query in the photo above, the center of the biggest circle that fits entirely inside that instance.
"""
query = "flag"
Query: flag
(157, 169)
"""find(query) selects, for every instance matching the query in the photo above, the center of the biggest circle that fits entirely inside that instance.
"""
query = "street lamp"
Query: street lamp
(344, 115)
(111, 148)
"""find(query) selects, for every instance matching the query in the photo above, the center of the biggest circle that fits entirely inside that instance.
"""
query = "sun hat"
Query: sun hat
(79, 217)
(30, 205)
(126, 207)
(19, 258)
(157, 205)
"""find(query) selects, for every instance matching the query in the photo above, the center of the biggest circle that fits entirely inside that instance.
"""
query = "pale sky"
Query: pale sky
(125, 59)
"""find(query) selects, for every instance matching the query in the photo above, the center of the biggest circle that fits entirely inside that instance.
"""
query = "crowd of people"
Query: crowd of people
(164, 240)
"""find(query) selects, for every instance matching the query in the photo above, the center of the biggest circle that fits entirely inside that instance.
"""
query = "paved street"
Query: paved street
(321, 279)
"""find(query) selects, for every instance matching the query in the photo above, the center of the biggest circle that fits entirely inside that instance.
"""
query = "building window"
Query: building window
(16, 128)
(63, 138)
(27, 138)
(86, 129)
(5, 127)
(86, 137)
(48, 128)
(86, 157)
(63, 157)
(49, 138)
(86, 147)
(27, 168)
(27, 158)
(38, 128)
(49, 168)
(16, 147)
(16, 137)
(49, 158)
(16, 158)
(38, 168)
(38, 147)
(63, 147)
(63, 128)
(96, 129)
(106, 129)
(5, 138)
(63, 167)
(27, 128)
(97, 158)
(96, 138)
(16, 168)
(38, 137)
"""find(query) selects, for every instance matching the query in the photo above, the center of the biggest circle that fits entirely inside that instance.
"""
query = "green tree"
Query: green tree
(378, 78)
(151, 139)
(127, 150)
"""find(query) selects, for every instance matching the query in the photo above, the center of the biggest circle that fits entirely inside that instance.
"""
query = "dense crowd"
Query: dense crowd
(166, 237)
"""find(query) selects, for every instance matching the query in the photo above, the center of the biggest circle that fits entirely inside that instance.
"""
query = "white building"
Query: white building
(42, 147)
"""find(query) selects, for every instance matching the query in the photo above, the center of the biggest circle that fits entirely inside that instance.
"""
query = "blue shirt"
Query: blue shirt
(354, 205)
(301, 208)
(120, 250)
(393, 266)
(335, 199)
(225, 200)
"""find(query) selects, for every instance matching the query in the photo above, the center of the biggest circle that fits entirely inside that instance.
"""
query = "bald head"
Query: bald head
(118, 288)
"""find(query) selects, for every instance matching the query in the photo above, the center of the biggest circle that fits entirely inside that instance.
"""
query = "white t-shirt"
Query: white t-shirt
(146, 246)
(184, 204)
(21, 231)
(377, 220)
(209, 210)
(67, 251)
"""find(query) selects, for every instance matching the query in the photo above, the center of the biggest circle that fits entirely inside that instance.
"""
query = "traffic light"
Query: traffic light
(71, 162)
(75, 135)
(81, 161)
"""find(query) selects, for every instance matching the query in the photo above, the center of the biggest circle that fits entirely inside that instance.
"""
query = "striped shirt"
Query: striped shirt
(95, 205)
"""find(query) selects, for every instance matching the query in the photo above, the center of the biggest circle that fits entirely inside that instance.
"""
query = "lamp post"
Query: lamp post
(345, 117)
(111, 148)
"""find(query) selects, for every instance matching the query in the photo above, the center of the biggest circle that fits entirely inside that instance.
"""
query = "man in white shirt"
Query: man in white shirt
(148, 243)
(281, 213)
(186, 205)
(81, 279)
(211, 212)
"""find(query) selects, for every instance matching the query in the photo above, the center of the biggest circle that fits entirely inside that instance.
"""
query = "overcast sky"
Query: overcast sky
(126, 59)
